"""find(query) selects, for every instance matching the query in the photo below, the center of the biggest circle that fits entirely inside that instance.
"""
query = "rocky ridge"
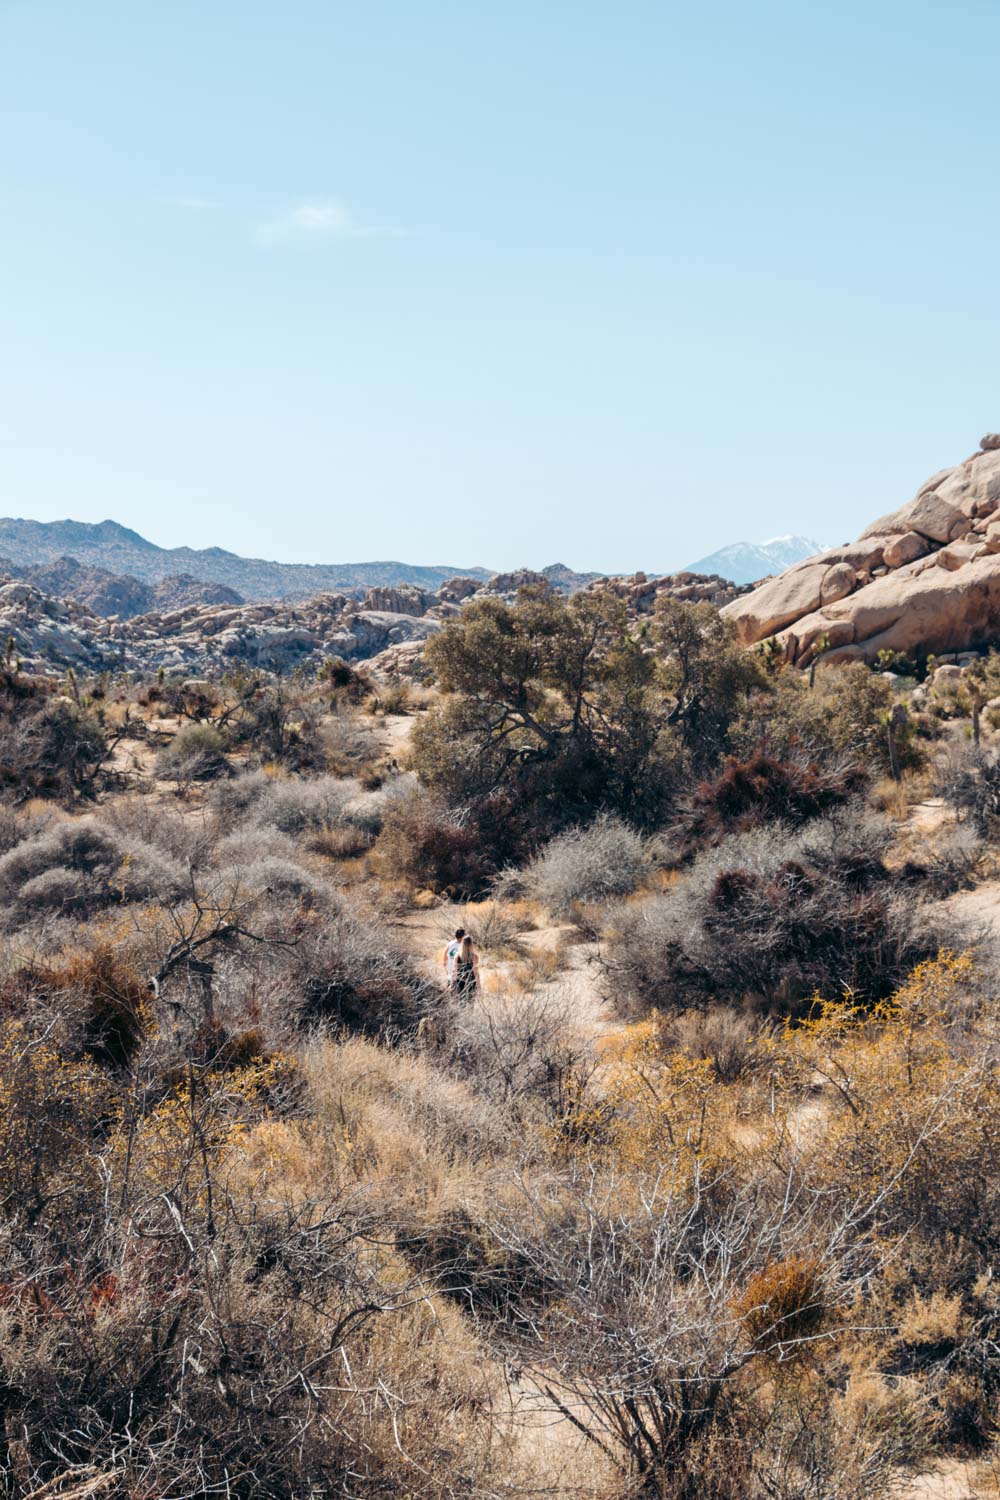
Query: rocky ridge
(923, 579)
(109, 593)
(387, 628)
(120, 550)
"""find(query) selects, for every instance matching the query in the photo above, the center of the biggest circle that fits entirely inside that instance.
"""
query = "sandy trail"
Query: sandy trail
(577, 980)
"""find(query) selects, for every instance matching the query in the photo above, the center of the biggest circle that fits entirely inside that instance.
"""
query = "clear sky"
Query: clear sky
(469, 282)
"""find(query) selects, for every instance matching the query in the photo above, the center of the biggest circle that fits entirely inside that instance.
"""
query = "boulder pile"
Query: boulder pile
(925, 578)
(43, 632)
(387, 628)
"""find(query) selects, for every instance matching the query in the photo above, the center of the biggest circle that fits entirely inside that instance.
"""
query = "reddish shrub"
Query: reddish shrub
(763, 789)
(108, 997)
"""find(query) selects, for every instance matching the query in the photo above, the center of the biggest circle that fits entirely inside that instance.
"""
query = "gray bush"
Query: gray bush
(79, 866)
(302, 804)
(774, 917)
(232, 801)
(196, 753)
(591, 864)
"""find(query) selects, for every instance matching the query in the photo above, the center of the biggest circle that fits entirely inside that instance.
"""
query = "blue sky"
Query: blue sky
(470, 283)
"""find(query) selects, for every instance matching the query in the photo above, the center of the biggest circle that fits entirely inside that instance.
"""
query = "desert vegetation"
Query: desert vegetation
(697, 1197)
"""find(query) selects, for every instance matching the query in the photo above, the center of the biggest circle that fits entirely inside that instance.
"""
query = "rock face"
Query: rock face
(405, 600)
(925, 577)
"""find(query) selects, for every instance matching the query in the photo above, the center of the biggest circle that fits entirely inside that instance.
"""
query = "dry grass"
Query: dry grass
(931, 1320)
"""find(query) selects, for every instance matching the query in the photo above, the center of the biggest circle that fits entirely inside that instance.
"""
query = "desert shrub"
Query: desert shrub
(207, 1297)
(399, 1111)
(293, 806)
(426, 842)
(472, 1266)
(80, 867)
(191, 699)
(285, 881)
(727, 1038)
(52, 1116)
(783, 1302)
(351, 977)
(672, 1355)
(493, 927)
(393, 696)
(233, 800)
(279, 724)
(196, 753)
(142, 821)
(763, 788)
(842, 720)
(970, 782)
(104, 1001)
(350, 746)
(341, 843)
(710, 679)
(773, 918)
(17, 826)
(49, 745)
(606, 859)
(528, 1053)
(344, 681)
(553, 703)
(296, 805)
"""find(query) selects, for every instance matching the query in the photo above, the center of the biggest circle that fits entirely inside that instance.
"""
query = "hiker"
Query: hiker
(451, 953)
(466, 981)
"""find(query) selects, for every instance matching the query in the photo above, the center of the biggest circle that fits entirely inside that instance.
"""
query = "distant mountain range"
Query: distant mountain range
(109, 593)
(746, 562)
(123, 552)
(114, 570)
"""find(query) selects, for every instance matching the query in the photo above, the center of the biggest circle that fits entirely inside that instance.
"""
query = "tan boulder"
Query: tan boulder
(927, 514)
(905, 549)
(925, 577)
(838, 583)
(777, 602)
(935, 610)
(957, 554)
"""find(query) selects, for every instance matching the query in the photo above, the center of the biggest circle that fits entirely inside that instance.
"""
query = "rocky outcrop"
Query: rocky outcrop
(198, 639)
(456, 590)
(41, 632)
(405, 600)
(507, 584)
(642, 594)
(925, 577)
(49, 633)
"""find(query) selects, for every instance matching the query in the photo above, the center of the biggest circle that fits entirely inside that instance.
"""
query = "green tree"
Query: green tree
(556, 700)
(707, 676)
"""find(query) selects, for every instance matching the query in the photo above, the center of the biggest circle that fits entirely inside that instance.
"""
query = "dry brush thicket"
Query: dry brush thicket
(698, 1197)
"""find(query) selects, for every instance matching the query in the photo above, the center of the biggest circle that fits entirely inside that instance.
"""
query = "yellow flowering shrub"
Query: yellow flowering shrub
(53, 1113)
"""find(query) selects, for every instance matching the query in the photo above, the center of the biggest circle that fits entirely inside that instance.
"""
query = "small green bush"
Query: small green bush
(196, 753)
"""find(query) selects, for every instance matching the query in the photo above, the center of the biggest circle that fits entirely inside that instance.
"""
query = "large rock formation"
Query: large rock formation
(925, 577)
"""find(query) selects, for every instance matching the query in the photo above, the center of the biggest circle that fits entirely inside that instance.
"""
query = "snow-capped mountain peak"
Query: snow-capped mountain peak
(746, 562)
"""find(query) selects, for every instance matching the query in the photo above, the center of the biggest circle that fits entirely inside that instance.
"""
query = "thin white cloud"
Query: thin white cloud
(318, 218)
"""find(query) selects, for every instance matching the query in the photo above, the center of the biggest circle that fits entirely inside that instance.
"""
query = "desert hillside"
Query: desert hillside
(681, 1183)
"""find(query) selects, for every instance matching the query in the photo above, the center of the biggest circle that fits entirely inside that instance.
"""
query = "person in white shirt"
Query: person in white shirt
(451, 955)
